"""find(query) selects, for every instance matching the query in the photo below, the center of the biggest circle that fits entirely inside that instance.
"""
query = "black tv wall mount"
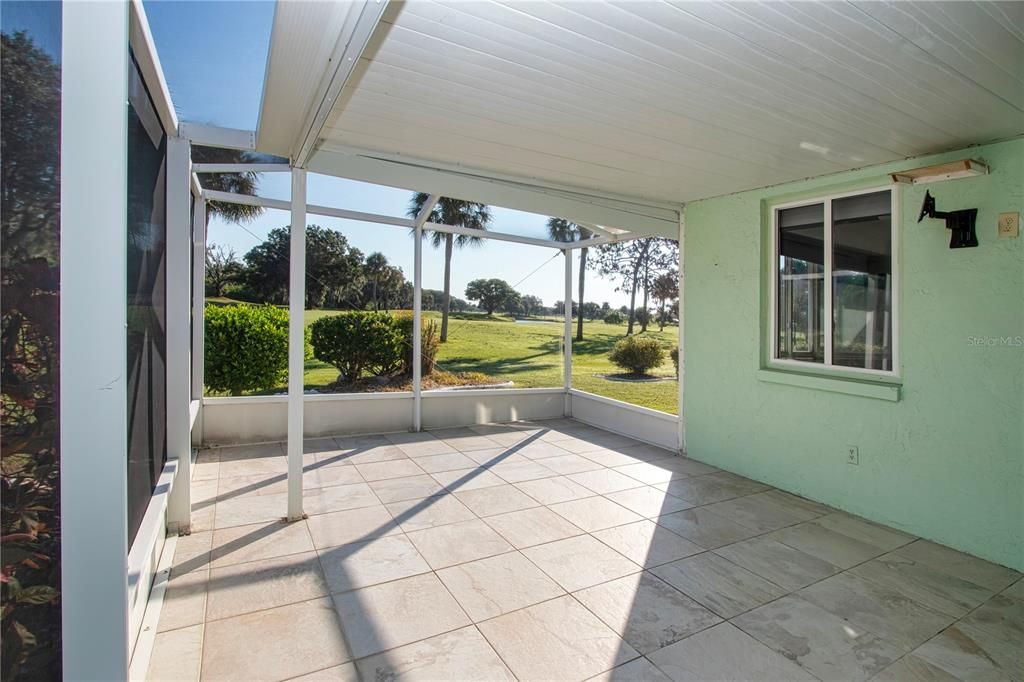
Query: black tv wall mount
(959, 223)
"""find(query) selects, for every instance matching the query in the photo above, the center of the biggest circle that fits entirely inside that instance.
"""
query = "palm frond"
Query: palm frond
(236, 183)
(456, 212)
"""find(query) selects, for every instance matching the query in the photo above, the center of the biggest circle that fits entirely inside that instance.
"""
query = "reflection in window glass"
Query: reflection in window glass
(801, 284)
(862, 281)
(30, 119)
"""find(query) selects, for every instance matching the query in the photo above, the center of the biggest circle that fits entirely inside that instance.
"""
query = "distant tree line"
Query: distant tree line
(338, 275)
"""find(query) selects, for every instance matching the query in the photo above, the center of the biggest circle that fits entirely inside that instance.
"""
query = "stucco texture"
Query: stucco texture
(945, 461)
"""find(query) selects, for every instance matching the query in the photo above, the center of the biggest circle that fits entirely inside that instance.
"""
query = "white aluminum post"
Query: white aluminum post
(198, 297)
(567, 341)
(417, 312)
(179, 389)
(93, 342)
(682, 364)
(417, 327)
(296, 344)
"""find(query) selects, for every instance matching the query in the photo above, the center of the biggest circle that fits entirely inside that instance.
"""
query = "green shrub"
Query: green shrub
(430, 342)
(246, 347)
(638, 354)
(357, 342)
(614, 317)
(675, 358)
(642, 316)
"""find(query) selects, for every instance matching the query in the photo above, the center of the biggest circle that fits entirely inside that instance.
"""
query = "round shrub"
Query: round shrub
(246, 348)
(614, 317)
(357, 342)
(675, 358)
(638, 354)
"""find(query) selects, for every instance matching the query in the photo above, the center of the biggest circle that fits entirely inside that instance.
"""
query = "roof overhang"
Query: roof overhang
(617, 113)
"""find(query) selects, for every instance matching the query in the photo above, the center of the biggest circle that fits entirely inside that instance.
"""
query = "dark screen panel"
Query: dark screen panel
(146, 291)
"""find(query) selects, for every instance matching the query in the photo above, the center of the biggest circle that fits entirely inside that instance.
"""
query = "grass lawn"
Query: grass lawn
(530, 356)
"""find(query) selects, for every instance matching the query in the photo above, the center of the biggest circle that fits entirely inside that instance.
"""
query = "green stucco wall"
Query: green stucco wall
(945, 461)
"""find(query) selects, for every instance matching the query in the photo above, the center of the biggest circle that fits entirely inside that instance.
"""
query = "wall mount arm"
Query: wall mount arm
(959, 223)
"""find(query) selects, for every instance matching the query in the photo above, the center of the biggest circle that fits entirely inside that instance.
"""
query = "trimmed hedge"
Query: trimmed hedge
(614, 317)
(357, 342)
(246, 348)
(372, 343)
(638, 354)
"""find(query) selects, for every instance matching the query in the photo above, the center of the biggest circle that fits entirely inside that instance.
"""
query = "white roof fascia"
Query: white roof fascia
(636, 216)
(141, 41)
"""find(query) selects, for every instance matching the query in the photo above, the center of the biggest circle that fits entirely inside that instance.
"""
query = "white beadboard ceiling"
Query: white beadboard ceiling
(652, 102)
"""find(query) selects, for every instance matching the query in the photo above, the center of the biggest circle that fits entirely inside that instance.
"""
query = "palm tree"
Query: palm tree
(236, 183)
(376, 265)
(562, 230)
(460, 214)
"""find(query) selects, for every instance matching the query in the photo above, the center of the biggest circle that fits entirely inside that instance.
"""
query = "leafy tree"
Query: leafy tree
(385, 286)
(591, 311)
(563, 231)
(460, 214)
(634, 263)
(614, 317)
(530, 305)
(334, 270)
(513, 306)
(222, 268)
(665, 288)
(491, 293)
(433, 299)
(559, 308)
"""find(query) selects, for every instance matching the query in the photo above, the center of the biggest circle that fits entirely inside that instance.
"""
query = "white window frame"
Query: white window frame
(827, 368)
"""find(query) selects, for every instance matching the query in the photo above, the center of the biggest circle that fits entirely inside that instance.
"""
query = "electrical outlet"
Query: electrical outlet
(852, 454)
(1008, 226)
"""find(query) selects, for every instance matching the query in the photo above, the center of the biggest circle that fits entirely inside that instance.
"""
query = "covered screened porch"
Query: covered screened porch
(550, 533)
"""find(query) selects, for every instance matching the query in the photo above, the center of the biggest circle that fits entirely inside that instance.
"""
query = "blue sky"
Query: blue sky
(214, 56)
(40, 20)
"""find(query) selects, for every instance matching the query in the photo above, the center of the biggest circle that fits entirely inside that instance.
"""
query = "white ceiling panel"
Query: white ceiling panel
(667, 102)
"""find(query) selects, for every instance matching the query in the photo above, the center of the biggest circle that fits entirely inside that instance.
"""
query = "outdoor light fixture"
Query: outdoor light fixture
(959, 223)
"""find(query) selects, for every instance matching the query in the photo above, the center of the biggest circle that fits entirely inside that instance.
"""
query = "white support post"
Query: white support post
(567, 341)
(296, 332)
(417, 313)
(93, 343)
(417, 331)
(682, 316)
(179, 388)
(198, 297)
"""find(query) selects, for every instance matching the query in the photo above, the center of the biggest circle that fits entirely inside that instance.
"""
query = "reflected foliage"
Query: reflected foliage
(29, 538)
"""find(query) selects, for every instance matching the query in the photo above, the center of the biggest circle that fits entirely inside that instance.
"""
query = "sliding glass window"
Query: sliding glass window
(835, 262)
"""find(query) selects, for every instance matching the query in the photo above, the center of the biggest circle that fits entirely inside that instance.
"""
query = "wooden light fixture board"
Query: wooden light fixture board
(964, 168)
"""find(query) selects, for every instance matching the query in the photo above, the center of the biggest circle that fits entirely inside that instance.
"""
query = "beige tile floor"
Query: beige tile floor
(556, 551)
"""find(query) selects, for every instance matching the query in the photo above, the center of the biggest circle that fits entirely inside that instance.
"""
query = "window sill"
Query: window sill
(857, 387)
